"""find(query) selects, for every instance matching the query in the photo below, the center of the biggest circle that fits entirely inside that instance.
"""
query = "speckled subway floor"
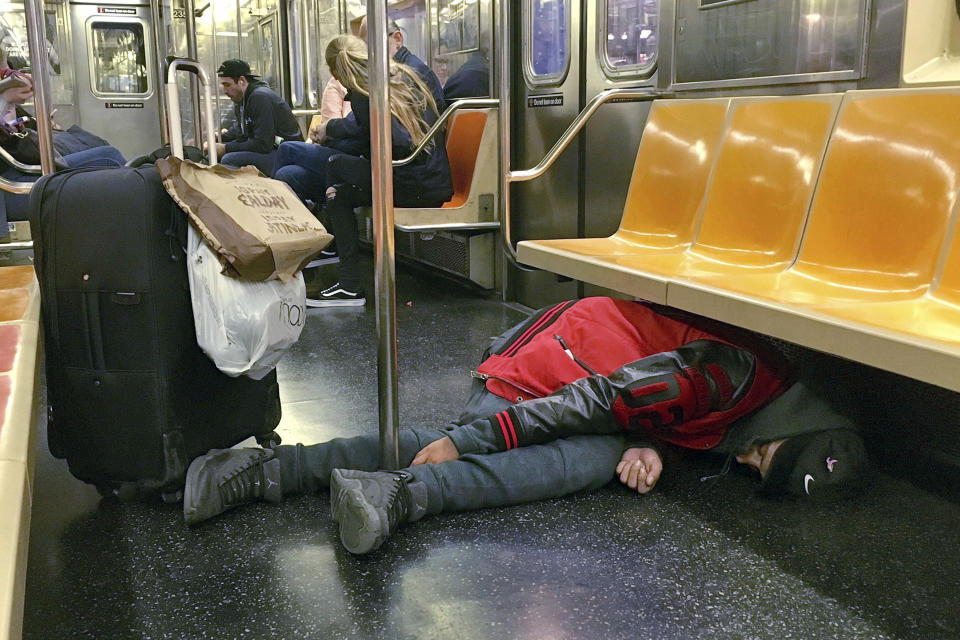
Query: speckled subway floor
(684, 562)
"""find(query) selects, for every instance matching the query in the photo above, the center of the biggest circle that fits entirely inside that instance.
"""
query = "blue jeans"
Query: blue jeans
(106, 156)
(262, 161)
(15, 207)
(303, 166)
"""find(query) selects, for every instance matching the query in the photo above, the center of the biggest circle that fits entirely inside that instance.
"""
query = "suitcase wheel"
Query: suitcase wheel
(269, 440)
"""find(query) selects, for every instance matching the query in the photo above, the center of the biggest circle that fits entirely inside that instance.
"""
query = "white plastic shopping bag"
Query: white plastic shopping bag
(245, 327)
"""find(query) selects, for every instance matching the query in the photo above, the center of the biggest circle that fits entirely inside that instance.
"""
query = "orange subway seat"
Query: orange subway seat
(883, 204)
(670, 173)
(463, 145)
(760, 192)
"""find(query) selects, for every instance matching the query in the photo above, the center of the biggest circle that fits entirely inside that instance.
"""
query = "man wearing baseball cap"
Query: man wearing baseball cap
(263, 119)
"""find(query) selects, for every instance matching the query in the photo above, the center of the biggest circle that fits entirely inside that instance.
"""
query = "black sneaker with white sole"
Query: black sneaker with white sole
(327, 256)
(337, 296)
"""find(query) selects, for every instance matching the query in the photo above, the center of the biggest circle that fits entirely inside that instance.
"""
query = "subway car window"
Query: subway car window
(630, 38)
(548, 48)
(119, 58)
(458, 25)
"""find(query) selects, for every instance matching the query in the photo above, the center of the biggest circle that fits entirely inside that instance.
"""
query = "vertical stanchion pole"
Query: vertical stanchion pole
(159, 51)
(37, 42)
(503, 89)
(189, 8)
(384, 268)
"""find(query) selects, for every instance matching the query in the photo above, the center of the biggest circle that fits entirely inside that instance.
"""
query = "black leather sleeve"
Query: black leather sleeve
(648, 396)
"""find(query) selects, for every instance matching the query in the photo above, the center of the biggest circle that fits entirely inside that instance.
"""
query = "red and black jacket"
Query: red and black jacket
(599, 366)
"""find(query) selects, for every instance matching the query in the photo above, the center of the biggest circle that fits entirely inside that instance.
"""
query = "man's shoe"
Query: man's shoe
(225, 478)
(369, 507)
(336, 296)
(327, 256)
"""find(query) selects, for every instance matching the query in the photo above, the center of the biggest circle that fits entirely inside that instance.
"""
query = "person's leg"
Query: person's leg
(348, 178)
(304, 167)
(307, 468)
(106, 156)
(225, 478)
(262, 161)
(370, 506)
(524, 474)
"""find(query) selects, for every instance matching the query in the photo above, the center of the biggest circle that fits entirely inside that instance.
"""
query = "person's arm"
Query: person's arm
(346, 128)
(259, 109)
(657, 392)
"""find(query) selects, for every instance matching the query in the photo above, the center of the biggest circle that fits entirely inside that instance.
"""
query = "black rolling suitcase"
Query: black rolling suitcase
(132, 397)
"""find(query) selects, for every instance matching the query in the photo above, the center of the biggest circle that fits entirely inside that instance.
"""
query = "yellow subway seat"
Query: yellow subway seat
(883, 205)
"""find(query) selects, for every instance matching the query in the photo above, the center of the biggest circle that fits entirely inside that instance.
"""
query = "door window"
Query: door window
(629, 37)
(118, 58)
(547, 45)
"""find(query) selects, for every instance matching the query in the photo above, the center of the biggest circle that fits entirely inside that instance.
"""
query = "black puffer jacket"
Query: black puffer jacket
(261, 116)
(425, 181)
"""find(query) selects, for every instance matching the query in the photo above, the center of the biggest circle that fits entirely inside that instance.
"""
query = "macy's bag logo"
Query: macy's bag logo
(292, 314)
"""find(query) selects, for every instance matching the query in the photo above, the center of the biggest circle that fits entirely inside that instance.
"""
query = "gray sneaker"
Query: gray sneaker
(225, 478)
(369, 507)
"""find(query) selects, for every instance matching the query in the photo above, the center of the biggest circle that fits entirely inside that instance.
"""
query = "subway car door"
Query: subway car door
(546, 85)
(622, 42)
(116, 92)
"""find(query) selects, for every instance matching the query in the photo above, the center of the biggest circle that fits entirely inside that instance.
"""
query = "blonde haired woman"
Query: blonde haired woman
(425, 182)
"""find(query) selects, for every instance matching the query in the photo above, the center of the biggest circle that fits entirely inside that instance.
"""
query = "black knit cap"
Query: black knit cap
(820, 464)
(235, 68)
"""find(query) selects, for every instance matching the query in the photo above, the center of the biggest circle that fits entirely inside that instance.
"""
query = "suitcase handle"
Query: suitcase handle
(173, 106)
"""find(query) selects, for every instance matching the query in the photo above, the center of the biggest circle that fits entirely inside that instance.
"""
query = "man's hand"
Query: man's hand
(442, 450)
(317, 134)
(220, 147)
(640, 468)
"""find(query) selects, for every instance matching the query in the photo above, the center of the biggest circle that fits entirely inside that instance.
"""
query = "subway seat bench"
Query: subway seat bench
(471, 144)
(19, 330)
(828, 220)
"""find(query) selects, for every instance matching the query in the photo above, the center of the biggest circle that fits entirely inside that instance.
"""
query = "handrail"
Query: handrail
(305, 112)
(508, 176)
(578, 123)
(15, 187)
(16, 164)
(442, 120)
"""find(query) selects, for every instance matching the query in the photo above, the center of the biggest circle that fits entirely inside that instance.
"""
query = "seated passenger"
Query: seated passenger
(425, 182)
(471, 80)
(303, 167)
(261, 117)
(74, 148)
(397, 51)
(576, 395)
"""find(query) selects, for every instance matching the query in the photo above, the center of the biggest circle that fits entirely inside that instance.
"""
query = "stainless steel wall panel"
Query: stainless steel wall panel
(768, 42)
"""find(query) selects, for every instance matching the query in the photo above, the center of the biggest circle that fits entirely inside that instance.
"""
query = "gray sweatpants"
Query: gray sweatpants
(524, 474)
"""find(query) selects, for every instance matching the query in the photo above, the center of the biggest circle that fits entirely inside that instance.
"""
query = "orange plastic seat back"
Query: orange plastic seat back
(886, 193)
(763, 182)
(463, 145)
(670, 174)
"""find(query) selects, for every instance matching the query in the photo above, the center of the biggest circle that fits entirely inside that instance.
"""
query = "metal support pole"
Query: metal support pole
(503, 82)
(37, 41)
(384, 267)
(159, 52)
(189, 8)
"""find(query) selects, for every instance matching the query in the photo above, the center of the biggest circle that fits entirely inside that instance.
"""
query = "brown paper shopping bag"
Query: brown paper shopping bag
(258, 227)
